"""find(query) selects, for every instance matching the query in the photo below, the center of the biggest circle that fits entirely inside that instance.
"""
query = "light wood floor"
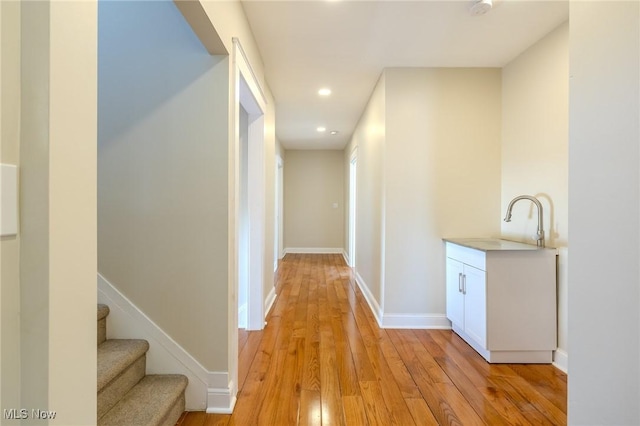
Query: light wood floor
(323, 360)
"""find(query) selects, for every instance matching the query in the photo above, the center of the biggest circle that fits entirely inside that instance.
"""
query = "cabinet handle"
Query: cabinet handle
(464, 284)
(460, 282)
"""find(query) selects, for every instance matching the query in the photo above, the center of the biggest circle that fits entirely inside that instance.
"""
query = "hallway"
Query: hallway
(322, 359)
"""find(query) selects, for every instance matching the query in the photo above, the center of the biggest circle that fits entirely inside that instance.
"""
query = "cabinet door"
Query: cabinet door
(475, 304)
(455, 298)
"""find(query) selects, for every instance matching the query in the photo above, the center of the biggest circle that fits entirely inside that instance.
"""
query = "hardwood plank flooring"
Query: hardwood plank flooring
(323, 360)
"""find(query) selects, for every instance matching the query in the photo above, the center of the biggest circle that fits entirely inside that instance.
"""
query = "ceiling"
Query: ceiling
(345, 45)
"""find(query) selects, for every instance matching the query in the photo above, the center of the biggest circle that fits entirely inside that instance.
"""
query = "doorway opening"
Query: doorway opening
(243, 217)
(250, 217)
(247, 222)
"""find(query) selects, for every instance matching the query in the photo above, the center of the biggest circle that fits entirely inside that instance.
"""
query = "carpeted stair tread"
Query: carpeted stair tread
(123, 383)
(114, 356)
(103, 311)
(151, 402)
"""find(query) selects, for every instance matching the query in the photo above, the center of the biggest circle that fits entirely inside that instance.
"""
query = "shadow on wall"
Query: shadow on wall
(552, 232)
(147, 50)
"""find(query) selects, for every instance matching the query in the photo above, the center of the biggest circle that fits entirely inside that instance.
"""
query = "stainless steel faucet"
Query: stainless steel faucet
(540, 232)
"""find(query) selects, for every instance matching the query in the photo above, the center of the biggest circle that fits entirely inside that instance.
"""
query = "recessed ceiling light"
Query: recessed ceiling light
(324, 91)
(321, 129)
(334, 132)
(480, 7)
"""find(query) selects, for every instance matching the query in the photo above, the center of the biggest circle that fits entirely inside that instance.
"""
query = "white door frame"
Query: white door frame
(353, 178)
(247, 92)
(278, 216)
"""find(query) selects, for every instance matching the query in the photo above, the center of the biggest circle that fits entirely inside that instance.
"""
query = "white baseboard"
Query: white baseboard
(210, 390)
(416, 321)
(561, 360)
(346, 257)
(313, 250)
(221, 400)
(368, 296)
(268, 301)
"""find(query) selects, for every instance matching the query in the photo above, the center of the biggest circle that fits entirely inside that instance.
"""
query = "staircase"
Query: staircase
(126, 396)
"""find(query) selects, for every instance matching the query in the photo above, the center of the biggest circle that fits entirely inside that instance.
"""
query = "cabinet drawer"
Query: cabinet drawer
(473, 257)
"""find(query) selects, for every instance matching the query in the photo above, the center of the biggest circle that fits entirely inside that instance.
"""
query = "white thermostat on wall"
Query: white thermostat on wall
(8, 200)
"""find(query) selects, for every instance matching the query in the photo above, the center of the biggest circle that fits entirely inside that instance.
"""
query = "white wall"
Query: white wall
(428, 167)
(10, 245)
(72, 211)
(535, 137)
(1, 244)
(313, 183)
(369, 139)
(535, 131)
(34, 206)
(441, 174)
(182, 133)
(229, 22)
(162, 172)
(604, 212)
(58, 209)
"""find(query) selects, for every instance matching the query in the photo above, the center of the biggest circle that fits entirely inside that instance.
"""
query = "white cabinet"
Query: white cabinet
(502, 301)
(466, 299)
(455, 296)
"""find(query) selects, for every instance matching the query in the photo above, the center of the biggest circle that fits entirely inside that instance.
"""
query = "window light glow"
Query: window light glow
(324, 91)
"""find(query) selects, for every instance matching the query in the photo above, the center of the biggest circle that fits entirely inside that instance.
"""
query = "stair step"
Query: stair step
(121, 364)
(157, 400)
(103, 311)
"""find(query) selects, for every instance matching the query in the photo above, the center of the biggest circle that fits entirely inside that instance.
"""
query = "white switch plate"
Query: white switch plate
(8, 200)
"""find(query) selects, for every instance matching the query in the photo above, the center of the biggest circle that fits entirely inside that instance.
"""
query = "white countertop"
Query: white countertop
(493, 244)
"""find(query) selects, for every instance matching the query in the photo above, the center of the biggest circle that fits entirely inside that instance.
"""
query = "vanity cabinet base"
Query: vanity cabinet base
(502, 301)
(506, 357)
